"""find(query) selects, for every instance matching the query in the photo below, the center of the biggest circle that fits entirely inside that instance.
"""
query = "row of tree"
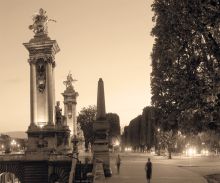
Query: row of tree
(139, 134)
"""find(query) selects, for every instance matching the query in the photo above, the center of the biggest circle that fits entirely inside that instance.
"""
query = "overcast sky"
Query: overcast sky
(98, 38)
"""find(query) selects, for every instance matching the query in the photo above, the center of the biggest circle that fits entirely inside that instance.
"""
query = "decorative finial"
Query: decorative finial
(69, 81)
(40, 21)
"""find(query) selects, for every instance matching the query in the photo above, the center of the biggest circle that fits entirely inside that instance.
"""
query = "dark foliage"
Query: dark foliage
(185, 62)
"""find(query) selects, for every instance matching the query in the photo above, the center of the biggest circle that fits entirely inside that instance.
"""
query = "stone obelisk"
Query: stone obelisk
(101, 114)
(101, 129)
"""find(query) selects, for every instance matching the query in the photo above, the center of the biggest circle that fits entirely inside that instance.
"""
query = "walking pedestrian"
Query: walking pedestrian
(148, 170)
(118, 163)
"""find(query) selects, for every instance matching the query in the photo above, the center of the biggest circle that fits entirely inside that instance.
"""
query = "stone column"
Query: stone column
(50, 96)
(54, 97)
(65, 114)
(74, 118)
(33, 90)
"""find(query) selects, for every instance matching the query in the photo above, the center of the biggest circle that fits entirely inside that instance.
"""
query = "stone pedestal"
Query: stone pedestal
(48, 140)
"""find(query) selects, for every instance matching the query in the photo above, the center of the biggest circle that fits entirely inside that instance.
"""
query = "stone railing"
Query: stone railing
(34, 156)
(12, 157)
(57, 157)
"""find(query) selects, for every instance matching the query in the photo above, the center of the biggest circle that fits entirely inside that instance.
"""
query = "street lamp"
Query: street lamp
(158, 141)
(13, 144)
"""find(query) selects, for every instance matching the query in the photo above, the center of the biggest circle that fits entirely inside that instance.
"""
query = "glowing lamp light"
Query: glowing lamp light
(13, 142)
(153, 152)
(117, 143)
(128, 149)
(204, 152)
(41, 124)
(191, 151)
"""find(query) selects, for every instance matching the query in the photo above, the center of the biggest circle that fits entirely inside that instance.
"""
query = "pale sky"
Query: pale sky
(98, 38)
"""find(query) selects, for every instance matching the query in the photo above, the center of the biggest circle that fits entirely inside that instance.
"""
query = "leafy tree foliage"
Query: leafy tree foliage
(114, 122)
(185, 62)
(134, 132)
(5, 140)
(167, 140)
(210, 139)
(140, 133)
(86, 118)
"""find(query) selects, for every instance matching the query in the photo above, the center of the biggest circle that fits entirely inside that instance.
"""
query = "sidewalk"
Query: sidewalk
(133, 172)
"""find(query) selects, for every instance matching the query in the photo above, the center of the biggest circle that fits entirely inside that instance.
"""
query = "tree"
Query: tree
(134, 132)
(115, 130)
(167, 139)
(210, 139)
(185, 62)
(5, 141)
(86, 118)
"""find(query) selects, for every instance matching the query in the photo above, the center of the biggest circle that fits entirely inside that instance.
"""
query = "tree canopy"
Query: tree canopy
(87, 116)
(114, 122)
(185, 62)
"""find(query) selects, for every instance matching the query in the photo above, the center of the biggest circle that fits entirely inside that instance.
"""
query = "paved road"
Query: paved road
(132, 171)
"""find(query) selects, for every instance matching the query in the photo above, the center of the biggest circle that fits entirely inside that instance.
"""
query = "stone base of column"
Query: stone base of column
(32, 126)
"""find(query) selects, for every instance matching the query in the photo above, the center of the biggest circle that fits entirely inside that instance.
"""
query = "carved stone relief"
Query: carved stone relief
(41, 75)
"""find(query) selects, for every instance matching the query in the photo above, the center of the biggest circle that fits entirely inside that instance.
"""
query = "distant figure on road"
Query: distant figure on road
(148, 170)
(118, 163)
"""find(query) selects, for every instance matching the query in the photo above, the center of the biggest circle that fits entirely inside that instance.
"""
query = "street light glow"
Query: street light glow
(128, 149)
(191, 151)
(204, 152)
(117, 143)
(13, 142)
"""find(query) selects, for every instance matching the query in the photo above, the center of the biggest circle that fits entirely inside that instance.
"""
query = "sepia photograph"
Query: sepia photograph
(110, 91)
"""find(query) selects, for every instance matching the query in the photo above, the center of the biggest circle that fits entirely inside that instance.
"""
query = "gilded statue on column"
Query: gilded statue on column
(40, 21)
(69, 81)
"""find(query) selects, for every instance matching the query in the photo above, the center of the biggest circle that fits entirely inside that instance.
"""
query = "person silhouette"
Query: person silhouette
(118, 163)
(148, 170)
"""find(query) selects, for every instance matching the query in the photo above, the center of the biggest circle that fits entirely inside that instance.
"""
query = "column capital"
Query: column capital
(45, 58)
(42, 48)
